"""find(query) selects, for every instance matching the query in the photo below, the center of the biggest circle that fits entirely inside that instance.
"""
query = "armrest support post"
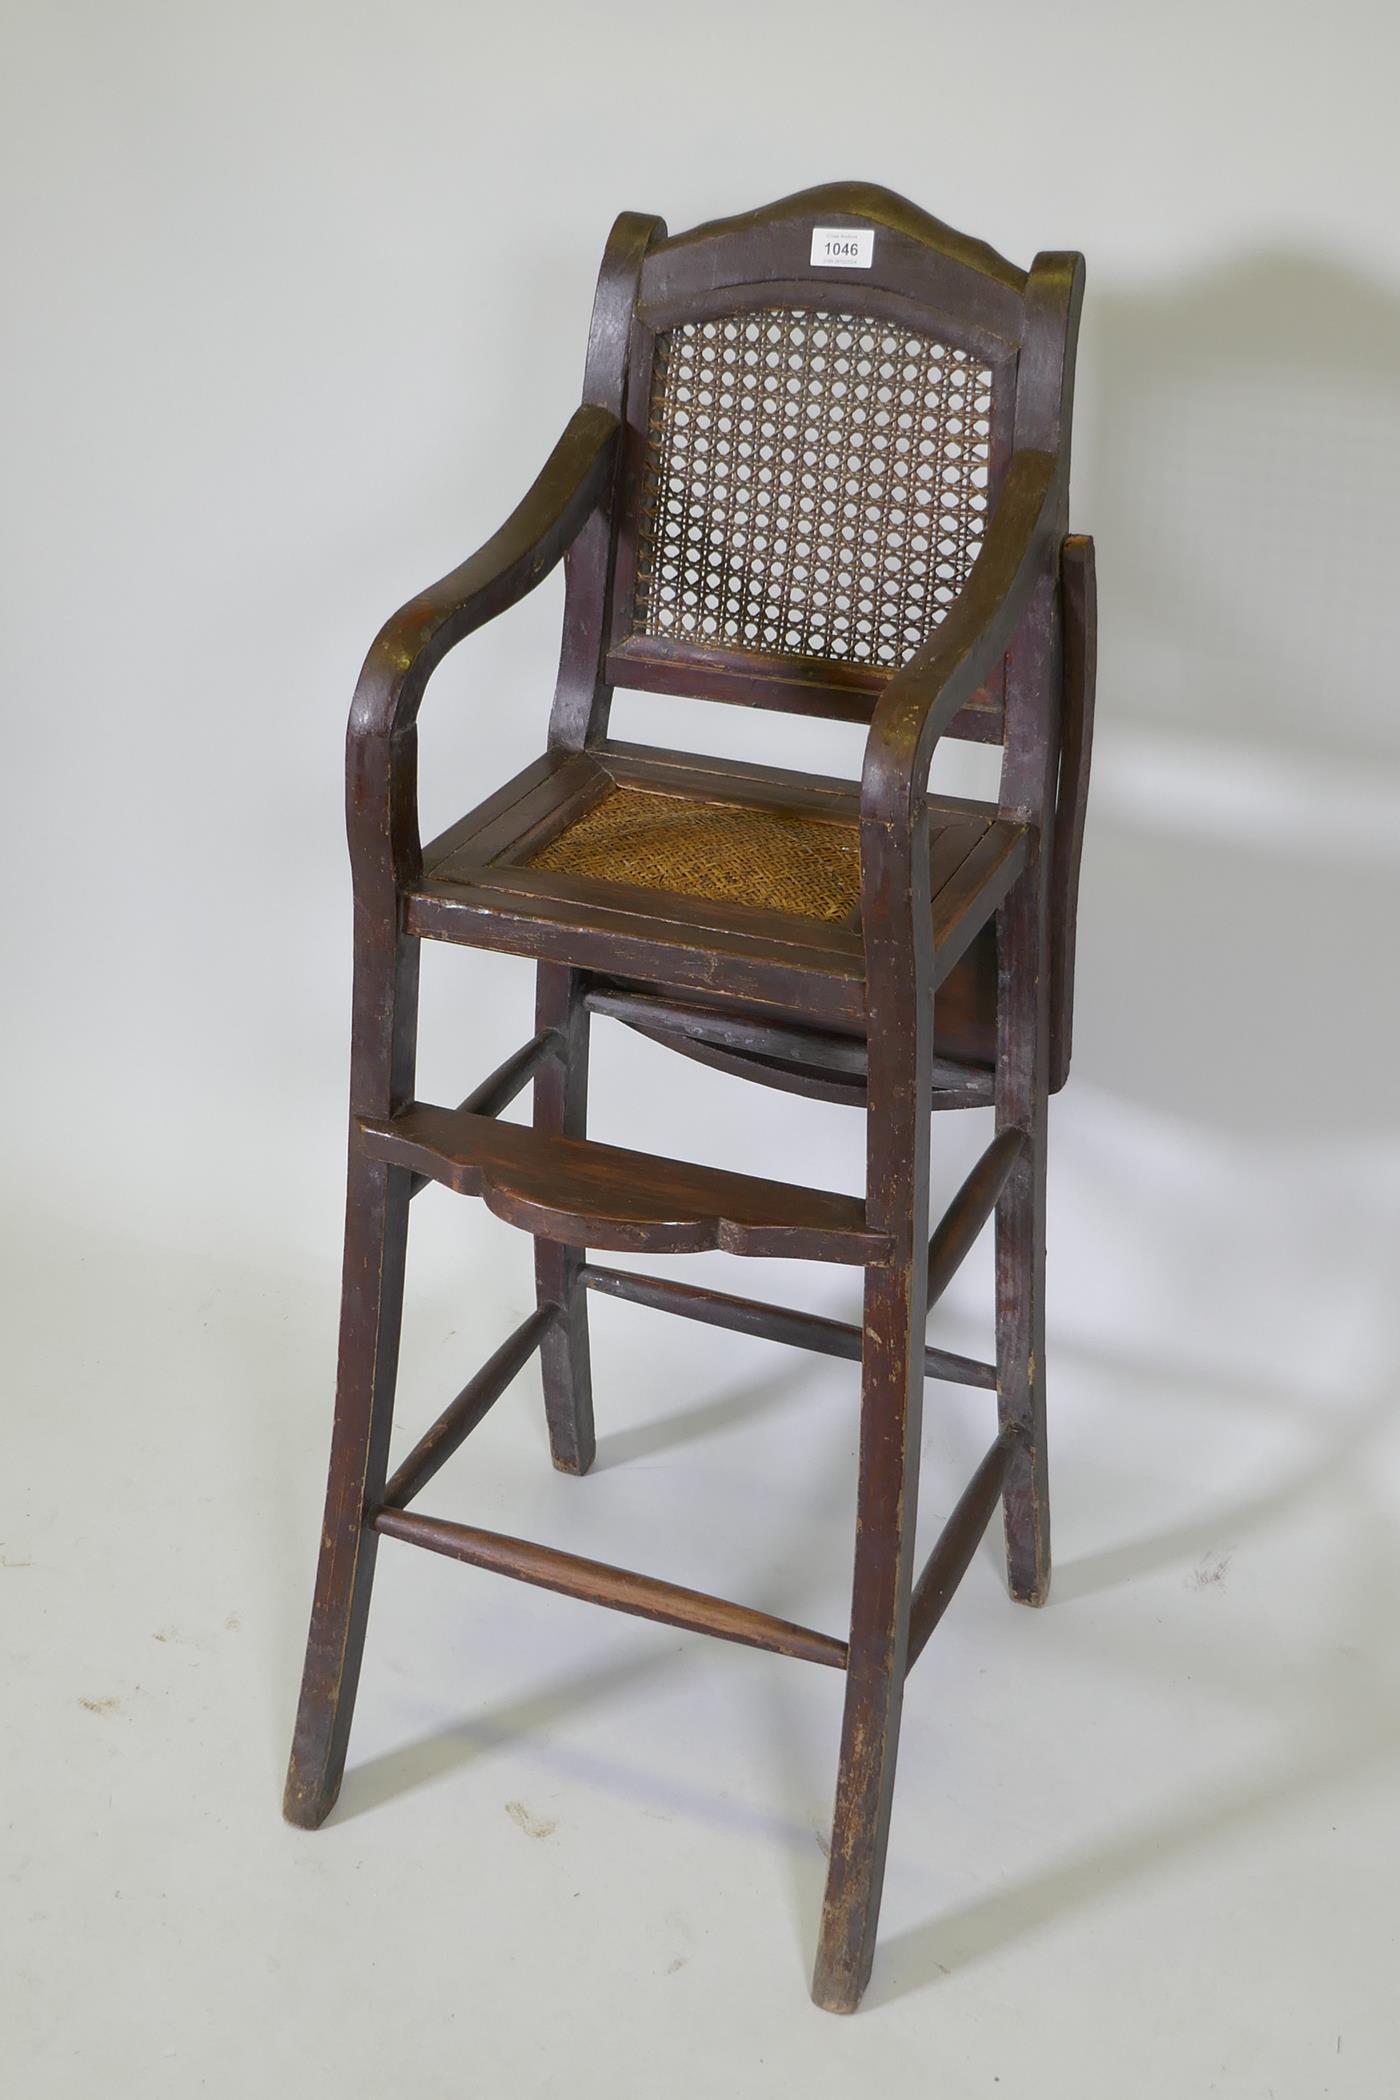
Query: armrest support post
(923, 697)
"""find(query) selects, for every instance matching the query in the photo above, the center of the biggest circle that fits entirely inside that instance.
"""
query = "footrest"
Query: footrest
(590, 1195)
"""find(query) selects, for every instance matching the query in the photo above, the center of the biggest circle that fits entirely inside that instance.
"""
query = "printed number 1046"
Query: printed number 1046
(844, 247)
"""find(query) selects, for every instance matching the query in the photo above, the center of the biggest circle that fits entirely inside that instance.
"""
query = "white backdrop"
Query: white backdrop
(295, 306)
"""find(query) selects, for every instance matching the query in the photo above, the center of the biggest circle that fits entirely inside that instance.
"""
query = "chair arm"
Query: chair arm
(537, 533)
(922, 698)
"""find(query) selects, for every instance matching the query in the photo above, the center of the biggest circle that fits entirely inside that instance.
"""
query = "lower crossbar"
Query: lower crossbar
(957, 1542)
(597, 1583)
(775, 1323)
(471, 1406)
(499, 1088)
(969, 1211)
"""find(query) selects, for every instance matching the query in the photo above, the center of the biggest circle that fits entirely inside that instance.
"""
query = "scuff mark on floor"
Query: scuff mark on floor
(533, 1826)
(1211, 1569)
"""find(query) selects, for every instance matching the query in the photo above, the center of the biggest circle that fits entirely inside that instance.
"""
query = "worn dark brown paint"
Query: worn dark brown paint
(589, 1195)
(775, 1323)
(1079, 600)
(471, 1407)
(619, 1588)
(561, 1108)
(973, 903)
(957, 1542)
(499, 1088)
(962, 1222)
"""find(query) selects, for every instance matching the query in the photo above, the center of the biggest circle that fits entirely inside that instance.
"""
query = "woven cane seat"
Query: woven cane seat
(786, 860)
(678, 859)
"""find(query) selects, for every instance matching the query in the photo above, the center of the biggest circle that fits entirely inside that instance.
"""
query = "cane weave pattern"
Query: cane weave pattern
(785, 860)
(815, 485)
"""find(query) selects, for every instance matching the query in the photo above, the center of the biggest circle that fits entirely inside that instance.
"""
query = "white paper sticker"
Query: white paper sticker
(843, 247)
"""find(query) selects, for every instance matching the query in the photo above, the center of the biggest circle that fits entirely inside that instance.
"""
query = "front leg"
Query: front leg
(900, 1035)
(891, 1395)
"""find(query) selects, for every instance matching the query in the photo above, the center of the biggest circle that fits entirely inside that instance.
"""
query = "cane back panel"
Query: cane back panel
(815, 484)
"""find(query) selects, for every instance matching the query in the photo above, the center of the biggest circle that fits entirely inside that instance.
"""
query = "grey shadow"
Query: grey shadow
(1241, 431)
(704, 1418)
(1325, 1469)
(1334, 1716)
(1240, 434)
(521, 1727)
(524, 1724)
(430, 1758)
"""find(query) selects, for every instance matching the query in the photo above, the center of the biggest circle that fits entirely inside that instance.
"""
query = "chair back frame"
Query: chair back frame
(923, 276)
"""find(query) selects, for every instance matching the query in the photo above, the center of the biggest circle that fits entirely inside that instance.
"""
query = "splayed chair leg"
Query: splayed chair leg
(892, 1383)
(371, 1315)
(891, 1410)
(376, 1238)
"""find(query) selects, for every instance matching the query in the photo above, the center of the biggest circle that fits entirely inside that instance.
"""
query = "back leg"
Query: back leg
(561, 1110)
(1021, 1103)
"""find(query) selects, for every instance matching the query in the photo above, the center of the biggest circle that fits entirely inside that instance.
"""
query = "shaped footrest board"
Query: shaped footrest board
(591, 1195)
